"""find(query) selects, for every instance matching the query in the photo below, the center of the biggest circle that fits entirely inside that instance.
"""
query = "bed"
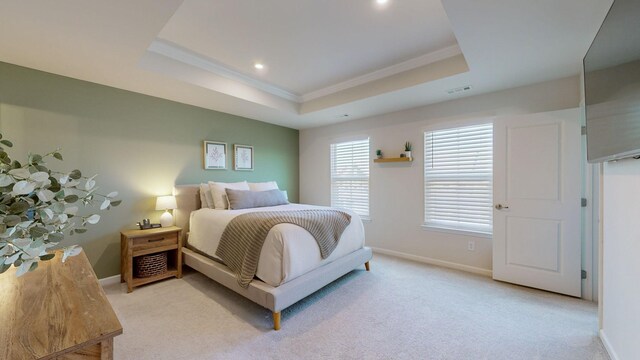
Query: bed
(299, 273)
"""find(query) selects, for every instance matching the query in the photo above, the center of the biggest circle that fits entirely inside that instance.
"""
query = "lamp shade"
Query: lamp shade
(166, 202)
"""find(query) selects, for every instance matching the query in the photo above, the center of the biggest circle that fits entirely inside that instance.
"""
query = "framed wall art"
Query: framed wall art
(243, 157)
(215, 155)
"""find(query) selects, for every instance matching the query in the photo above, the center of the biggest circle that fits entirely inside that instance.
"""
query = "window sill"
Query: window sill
(457, 231)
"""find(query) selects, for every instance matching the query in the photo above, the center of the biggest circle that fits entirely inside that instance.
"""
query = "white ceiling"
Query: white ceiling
(309, 45)
(323, 59)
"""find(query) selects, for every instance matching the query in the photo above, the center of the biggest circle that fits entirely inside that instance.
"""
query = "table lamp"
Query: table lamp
(165, 203)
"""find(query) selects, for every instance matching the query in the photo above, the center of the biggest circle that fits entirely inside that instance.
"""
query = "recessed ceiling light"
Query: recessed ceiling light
(258, 66)
(382, 2)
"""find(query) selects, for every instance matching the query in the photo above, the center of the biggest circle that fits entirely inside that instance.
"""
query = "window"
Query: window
(350, 176)
(458, 178)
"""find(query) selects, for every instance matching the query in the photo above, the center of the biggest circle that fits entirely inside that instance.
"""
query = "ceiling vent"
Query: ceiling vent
(459, 90)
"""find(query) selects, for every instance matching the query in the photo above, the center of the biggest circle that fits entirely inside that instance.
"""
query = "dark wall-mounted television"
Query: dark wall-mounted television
(612, 85)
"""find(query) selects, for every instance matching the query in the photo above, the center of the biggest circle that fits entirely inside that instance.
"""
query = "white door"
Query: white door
(536, 223)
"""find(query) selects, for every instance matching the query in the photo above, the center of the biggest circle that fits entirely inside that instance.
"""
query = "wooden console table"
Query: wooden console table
(58, 311)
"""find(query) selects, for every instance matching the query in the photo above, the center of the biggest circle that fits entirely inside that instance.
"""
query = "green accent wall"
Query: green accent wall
(138, 145)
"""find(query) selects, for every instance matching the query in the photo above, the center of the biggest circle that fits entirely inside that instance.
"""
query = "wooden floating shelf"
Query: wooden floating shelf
(399, 159)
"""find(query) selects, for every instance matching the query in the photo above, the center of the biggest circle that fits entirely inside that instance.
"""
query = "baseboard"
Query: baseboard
(115, 279)
(430, 261)
(607, 345)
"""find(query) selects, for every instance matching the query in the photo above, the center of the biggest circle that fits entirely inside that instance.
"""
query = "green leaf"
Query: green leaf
(6, 143)
(38, 231)
(34, 265)
(36, 244)
(115, 202)
(56, 237)
(35, 158)
(75, 174)
(71, 198)
(16, 164)
(81, 230)
(42, 168)
(18, 207)
(55, 185)
(4, 267)
(47, 257)
(57, 207)
(12, 220)
(6, 180)
(57, 155)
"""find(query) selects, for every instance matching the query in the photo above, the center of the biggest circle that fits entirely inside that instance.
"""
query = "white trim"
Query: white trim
(457, 231)
(185, 56)
(115, 279)
(411, 64)
(607, 345)
(436, 262)
(452, 124)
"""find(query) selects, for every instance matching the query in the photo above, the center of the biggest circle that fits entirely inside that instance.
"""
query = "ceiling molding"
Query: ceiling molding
(183, 55)
(411, 64)
(429, 73)
(178, 53)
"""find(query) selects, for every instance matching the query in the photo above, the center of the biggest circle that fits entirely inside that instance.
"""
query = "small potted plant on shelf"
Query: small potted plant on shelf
(379, 154)
(407, 149)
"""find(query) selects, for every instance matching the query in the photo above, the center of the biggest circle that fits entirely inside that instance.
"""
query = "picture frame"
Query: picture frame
(242, 157)
(215, 155)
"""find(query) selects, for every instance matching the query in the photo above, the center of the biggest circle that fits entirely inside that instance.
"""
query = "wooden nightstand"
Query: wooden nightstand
(144, 242)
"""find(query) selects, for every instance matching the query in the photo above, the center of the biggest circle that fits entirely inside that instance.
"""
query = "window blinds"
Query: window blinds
(458, 178)
(350, 176)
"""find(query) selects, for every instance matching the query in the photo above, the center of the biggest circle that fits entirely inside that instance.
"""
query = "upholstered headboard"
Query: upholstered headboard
(188, 200)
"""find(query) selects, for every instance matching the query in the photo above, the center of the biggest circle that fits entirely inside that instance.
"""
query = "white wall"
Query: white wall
(396, 190)
(621, 259)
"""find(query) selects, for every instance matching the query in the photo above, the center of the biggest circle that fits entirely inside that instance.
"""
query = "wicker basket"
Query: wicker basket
(151, 265)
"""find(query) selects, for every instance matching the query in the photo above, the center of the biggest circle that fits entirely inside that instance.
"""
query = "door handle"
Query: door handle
(500, 207)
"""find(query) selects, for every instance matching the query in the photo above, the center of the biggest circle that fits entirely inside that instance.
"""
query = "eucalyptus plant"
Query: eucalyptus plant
(39, 206)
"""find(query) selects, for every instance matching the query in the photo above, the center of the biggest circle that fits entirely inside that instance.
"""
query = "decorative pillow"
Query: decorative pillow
(286, 196)
(263, 186)
(239, 199)
(206, 198)
(203, 199)
(220, 197)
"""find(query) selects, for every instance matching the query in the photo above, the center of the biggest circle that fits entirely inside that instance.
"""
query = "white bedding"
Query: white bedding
(288, 251)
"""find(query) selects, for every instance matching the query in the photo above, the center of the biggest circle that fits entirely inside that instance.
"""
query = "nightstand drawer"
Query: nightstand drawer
(154, 241)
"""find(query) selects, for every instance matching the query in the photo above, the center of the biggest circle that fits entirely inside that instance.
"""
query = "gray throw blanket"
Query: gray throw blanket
(242, 239)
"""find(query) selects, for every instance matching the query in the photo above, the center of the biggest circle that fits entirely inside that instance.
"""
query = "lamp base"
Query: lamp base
(166, 219)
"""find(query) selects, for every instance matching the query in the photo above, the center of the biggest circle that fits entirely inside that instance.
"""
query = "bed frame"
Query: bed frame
(273, 298)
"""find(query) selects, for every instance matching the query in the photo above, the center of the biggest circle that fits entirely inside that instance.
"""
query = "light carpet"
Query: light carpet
(399, 310)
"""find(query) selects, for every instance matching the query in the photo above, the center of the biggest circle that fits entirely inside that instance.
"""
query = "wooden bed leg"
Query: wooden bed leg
(276, 321)
(366, 266)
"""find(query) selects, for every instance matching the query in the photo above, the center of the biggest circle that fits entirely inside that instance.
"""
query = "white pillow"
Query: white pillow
(263, 186)
(206, 198)
(203, 199)
(220, 196)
